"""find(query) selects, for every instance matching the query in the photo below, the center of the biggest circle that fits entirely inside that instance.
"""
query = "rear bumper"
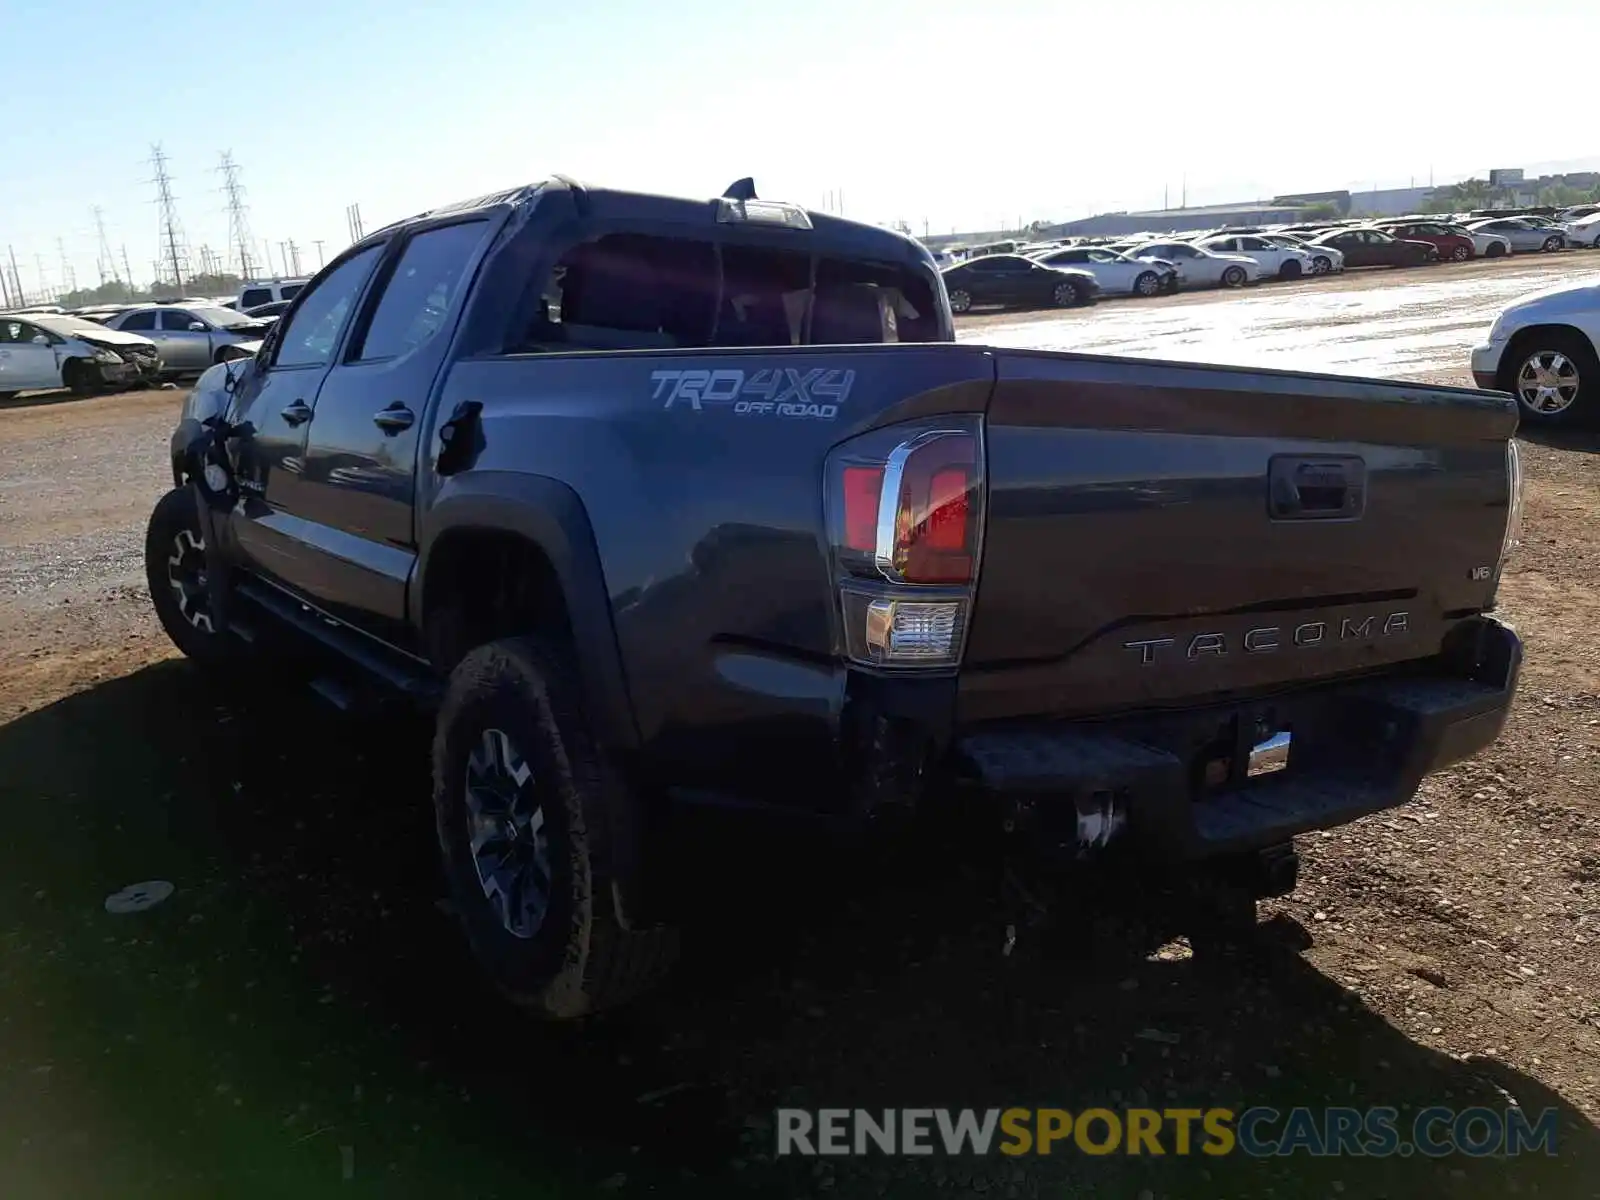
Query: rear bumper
(1177, 786)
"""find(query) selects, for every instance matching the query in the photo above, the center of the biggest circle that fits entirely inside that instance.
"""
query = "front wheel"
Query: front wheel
(1233, 277)
(1495, 250)
(1321, 264)
(80, 377)
(1066, 295)
(1461, 253)
(1552, 244)
(539, 835)
(1148, 283)
(175, 572)
(1554, 376)
(960, 301)
(1290, 269)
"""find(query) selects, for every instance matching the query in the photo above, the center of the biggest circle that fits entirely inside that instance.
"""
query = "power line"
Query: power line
(171, 240)
(238, 220)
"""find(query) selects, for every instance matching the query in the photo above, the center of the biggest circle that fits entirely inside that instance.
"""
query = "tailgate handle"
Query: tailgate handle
(1316, 488)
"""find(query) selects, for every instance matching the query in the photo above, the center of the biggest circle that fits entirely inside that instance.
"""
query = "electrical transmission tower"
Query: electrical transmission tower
(103, 259)
(69, 277)
(173, 250)
(352, 220)
(238, 220)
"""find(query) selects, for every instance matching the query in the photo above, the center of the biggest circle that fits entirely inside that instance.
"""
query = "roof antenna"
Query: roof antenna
(741, 189)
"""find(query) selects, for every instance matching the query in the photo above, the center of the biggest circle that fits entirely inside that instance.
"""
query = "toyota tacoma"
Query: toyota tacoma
(650, 500)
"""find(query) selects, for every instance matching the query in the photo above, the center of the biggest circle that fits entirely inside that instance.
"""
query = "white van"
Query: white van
(265, 291)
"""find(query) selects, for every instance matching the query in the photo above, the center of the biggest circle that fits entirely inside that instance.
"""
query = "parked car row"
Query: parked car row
(1080, 270)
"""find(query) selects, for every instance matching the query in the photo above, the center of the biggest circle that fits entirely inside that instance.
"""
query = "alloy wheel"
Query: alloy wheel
(1547, 382)
(507, 839)
(186, 575)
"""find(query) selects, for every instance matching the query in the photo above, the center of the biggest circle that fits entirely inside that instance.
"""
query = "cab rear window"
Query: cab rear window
(629, 291)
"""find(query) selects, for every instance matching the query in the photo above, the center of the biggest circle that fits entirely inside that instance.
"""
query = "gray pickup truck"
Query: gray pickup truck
(651, 500)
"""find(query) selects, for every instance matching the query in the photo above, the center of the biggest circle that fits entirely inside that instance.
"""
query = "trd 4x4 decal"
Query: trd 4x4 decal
(812, 393)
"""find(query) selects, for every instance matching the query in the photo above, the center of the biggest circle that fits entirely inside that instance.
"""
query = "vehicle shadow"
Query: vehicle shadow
(300, 1017)
(23, 400)
(1584, 441)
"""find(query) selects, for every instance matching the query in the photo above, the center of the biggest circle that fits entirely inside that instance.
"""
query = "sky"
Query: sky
(944, 115)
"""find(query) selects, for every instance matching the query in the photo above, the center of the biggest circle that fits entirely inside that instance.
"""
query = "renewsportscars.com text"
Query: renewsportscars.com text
(1259, 1131)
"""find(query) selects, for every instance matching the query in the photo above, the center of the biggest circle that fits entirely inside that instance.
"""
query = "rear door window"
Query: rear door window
(421, 291)
(255, 296)
(140, 320)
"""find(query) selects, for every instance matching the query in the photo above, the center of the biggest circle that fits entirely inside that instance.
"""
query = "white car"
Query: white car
(1117, 274)
(1484, 243)
(1585, 231)
(1545, 350)
(1275, 258)
(1201, 267)
(1324, 259)
(1523, 235)
(44, 350)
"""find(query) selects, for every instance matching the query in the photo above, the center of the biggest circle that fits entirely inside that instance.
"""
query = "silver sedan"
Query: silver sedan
(1523, 235)
(192, 337)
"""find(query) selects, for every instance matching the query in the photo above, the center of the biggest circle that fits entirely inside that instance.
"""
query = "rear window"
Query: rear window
(629, 291)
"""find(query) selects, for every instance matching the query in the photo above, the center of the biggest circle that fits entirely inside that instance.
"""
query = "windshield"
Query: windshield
(67, 326)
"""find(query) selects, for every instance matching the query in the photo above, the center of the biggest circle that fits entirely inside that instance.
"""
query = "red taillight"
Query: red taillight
(862, 488)
(905, 515)
(934, 531)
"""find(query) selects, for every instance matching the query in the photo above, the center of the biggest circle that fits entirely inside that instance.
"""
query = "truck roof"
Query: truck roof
(603, 204)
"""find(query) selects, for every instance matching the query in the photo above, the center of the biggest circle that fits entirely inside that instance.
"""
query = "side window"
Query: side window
(175, 321)
(289, 291)
(10, 331)
(313, 331)
(139, 321)
(421, 291)
(255, 296)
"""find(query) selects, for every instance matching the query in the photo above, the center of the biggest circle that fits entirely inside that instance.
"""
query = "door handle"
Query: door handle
(297, 413)
(394, 418)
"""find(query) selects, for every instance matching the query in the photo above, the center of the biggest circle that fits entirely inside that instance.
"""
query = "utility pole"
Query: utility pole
(352, 218)
(127, 268)
(294, 258)
(44, 282)
(322, 259)
(103, 259)
(5, 291)
(283, 257)
(69, 277)
(171, 230)
(238, 221)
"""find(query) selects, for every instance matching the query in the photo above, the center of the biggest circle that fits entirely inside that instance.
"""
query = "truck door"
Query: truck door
(358, 490)
(276, 399)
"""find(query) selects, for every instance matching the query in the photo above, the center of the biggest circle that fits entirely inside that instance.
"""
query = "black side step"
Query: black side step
(395, 672)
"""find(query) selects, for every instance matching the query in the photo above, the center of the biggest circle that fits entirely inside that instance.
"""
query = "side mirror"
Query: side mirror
(197, 327)
(39, 339)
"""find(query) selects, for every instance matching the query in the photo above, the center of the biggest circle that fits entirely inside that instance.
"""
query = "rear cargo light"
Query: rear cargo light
(905, 522)
(1513, 532)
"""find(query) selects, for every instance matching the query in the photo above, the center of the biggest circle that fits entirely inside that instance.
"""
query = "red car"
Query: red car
(1453, 246)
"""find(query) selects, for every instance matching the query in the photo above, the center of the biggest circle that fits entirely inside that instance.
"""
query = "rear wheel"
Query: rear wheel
(1148, 283)
(1233, 277)
(539, 835)
(1461, 253)
(960, 301)
(1554, 375)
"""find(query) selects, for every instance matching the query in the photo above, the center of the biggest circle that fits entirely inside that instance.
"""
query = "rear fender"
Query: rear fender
(550, 516)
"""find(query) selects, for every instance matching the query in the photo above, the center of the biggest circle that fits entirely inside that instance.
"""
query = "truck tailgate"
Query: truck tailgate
(1161, 532)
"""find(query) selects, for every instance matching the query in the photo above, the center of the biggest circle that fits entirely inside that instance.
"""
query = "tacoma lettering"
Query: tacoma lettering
(1267, 639)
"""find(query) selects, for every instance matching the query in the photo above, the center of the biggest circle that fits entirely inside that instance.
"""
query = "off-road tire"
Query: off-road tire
(588, 952)
(174, 532)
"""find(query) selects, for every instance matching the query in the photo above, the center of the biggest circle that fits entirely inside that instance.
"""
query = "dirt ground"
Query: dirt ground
(299, 1017)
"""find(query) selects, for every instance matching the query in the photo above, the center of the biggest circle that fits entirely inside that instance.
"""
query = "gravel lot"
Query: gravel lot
(299, 1017)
